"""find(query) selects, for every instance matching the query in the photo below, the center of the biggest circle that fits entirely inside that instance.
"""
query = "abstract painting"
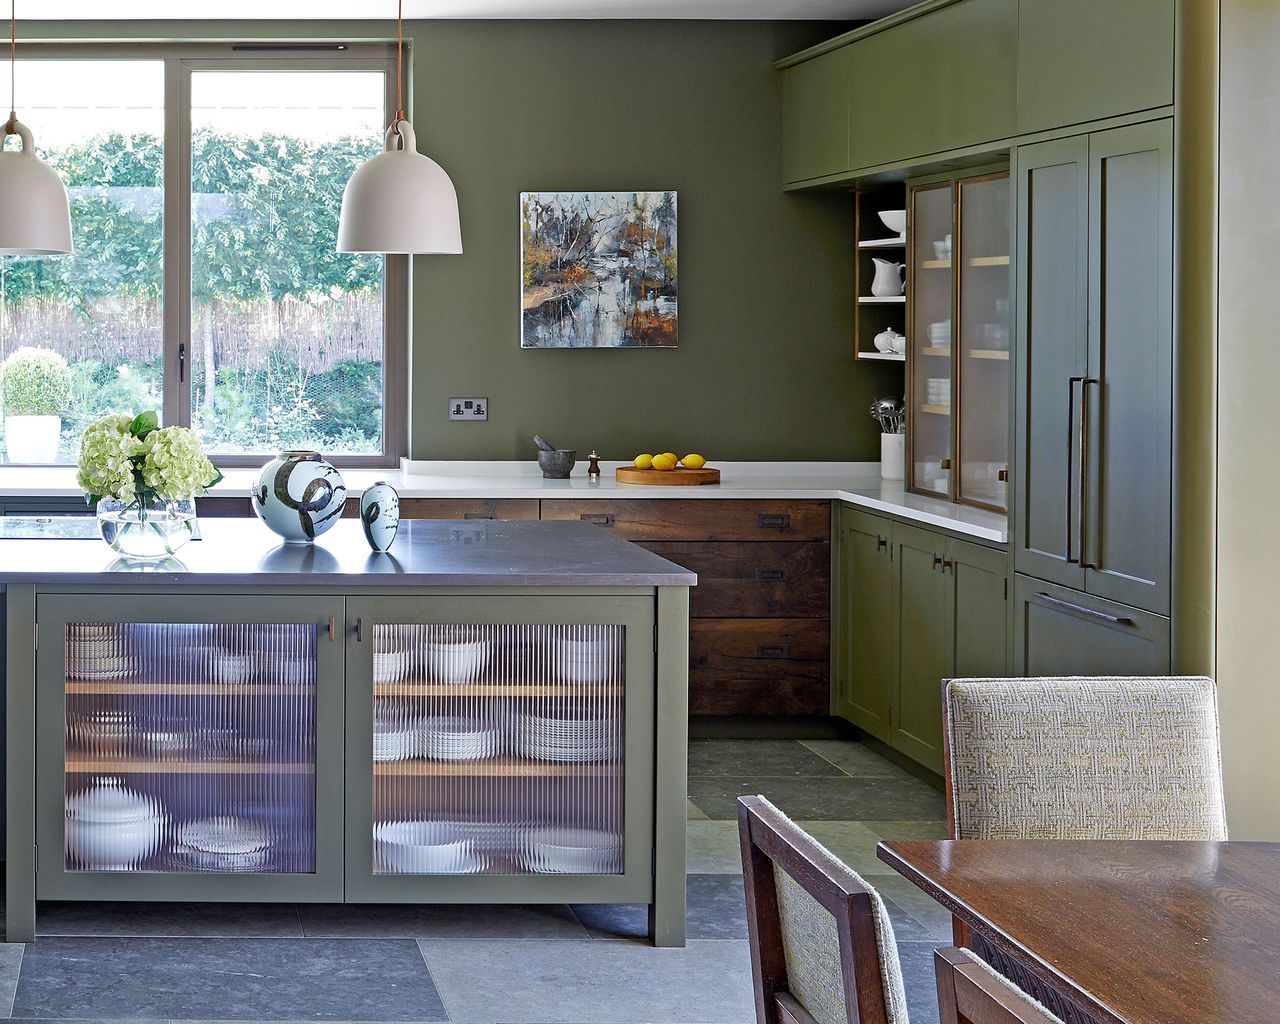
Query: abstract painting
(598, 270)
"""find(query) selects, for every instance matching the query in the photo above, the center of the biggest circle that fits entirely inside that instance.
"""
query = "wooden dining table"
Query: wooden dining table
(1117, 932)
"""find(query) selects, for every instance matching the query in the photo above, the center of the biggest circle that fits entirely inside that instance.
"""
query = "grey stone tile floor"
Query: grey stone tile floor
(151, 963)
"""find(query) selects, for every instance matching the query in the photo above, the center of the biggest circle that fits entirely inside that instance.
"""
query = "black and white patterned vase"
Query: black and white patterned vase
(299, 496)
(380, 515)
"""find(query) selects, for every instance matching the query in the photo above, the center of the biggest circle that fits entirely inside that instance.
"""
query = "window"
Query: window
(205, 189)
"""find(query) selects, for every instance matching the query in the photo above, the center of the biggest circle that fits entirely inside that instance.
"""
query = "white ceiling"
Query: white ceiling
(127, 10)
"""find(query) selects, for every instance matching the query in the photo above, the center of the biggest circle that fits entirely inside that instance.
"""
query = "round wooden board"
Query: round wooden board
(678, 477)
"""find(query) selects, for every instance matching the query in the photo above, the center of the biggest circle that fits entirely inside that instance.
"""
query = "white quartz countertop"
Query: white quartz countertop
(858, 483)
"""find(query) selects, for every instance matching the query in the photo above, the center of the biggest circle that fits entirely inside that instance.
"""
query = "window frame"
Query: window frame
(180, 60)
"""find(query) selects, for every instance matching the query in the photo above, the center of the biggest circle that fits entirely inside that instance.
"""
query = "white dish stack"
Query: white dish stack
(98, 651)
(583, 739)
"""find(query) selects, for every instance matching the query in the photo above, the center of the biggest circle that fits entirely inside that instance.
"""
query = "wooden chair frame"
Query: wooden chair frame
(771, 842)
(968, 994)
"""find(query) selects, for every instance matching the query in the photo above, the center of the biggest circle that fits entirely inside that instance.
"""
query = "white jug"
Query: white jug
(889, 278)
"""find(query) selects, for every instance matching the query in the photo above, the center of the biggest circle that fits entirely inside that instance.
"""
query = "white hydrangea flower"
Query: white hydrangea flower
(174, 464)
(106, 465)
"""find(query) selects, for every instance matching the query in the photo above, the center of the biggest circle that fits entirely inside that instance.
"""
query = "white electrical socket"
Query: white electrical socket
(469, 409)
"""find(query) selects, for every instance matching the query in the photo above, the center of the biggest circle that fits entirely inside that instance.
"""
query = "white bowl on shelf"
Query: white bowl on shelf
(111, 828)
(585, 659)
(460, 661)
(895, 221)
(424, 848)
(390, 666)
(575, 851)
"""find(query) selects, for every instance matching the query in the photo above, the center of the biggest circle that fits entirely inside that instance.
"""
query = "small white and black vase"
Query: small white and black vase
(380, 515)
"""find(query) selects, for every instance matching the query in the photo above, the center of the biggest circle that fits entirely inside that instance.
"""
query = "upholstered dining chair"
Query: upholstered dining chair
(1083, 758)
(822, 947)
(971, 992)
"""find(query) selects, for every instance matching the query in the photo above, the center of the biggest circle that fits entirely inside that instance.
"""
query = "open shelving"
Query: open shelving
(874, 314)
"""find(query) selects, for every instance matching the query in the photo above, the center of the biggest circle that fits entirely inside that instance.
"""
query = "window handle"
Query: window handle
(182, 362)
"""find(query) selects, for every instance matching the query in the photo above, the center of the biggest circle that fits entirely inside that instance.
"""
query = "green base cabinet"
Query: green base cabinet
(1061, 632)
(914, 607)
(864, 615)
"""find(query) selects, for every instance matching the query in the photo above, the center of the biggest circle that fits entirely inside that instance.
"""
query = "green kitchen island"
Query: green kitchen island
(491, 712)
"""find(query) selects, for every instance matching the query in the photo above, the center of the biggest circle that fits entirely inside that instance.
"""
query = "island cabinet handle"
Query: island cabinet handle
(1093, 613)
(598, 518)
(332, 626)
(771, 574)
(360, 630)
(478, 515)
(773, 522)
(773, 651)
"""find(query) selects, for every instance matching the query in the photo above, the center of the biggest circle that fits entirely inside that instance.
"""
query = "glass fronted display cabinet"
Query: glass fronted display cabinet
(958, 368)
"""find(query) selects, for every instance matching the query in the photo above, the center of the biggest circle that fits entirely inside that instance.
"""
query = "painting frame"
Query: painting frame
(599, 269)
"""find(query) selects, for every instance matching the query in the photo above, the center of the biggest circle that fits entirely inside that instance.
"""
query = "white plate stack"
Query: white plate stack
(578, 740)
(223, 843)
(97, 651)
(573, 851)
(938, 390)
(458, 738)
(394, 740)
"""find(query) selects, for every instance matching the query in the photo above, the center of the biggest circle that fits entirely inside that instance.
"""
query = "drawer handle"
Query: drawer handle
(478, 515)
(771, 574)
(773, 522)
(773, 651)
(881, 543)
(597, 518)
(937, 560)
(1119, 620)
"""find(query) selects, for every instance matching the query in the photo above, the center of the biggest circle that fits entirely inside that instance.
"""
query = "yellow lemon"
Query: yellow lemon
(664, 461)
(672, 456)
(693, 461)
(643, 462)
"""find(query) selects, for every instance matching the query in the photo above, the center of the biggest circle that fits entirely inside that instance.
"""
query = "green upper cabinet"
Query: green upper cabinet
(941, 81)
(1084, 60)
(815, 117)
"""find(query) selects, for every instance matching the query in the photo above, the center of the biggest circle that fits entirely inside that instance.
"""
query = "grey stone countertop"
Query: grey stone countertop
(426, 553)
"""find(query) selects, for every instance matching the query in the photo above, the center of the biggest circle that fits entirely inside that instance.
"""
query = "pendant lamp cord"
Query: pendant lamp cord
(399, 61)
(11, 125)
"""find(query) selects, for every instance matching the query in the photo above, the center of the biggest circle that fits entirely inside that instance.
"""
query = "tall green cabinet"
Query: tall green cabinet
(1092, 506)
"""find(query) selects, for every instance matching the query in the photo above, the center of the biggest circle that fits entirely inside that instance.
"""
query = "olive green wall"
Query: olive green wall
(1248, 425)
(764, 367)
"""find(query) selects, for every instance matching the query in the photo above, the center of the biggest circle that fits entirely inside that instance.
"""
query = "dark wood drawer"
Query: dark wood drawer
(742, 580)
(759, 667)
(700, 518)
(468, 508)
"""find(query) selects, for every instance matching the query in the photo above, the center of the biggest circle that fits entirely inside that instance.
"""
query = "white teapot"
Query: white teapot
(890, 340)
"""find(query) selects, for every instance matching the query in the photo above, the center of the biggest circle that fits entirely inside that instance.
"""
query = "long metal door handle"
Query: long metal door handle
(1093, 613)
(1071, 463)
(1083, 498)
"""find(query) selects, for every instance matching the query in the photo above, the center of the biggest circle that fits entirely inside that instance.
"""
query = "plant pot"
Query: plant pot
(892, 450)
(32, 440)
(146, 530)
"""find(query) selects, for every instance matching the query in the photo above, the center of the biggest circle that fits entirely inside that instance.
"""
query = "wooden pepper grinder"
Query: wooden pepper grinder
(593, 466)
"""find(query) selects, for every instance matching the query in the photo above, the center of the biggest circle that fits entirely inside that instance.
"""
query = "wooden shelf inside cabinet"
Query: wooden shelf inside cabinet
(1001, 354)
(937, 410)
(123, 687)
(411, 689)
(935, 350)
(145, 767)
(882, 300)
(935, 264)
(504, 765)
(989, 261)
(883, 243)
(888, 357)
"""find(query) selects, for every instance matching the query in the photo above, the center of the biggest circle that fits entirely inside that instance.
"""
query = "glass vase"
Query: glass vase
(146, 529)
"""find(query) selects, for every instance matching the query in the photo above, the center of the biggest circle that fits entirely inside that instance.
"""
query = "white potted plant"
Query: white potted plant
(35, 384)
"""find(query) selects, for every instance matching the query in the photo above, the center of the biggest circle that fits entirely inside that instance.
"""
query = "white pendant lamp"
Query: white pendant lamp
(35, 214)
(399, 201)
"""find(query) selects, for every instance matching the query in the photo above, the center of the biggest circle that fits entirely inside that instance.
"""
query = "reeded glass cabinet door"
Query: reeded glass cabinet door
(931, 299)
(500, 745)
(189, 745)
(983, 377)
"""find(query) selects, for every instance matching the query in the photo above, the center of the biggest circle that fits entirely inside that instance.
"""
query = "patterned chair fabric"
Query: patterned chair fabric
(1085, 758)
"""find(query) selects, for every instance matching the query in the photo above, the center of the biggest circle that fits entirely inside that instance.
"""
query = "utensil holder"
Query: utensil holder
(892, 450)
